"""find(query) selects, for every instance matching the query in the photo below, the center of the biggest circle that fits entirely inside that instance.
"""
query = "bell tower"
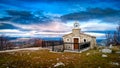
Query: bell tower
(76, 29)
(76, 25)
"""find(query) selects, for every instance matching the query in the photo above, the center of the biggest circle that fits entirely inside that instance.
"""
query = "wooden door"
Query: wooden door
(76, 43)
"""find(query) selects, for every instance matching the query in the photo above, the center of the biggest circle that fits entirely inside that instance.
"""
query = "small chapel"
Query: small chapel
(74, 39)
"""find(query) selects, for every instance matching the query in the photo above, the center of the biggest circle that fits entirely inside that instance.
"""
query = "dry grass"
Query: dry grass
(46, 59)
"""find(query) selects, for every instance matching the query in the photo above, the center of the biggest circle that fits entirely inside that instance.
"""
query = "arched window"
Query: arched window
(67, 39)
(84, 40)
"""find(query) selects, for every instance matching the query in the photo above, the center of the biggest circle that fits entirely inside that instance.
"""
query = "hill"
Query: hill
(46, 59)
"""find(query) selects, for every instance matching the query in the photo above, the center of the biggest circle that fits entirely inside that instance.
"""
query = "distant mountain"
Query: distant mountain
(101, 42)
(52, 39)
(44, 38)
(18, 39)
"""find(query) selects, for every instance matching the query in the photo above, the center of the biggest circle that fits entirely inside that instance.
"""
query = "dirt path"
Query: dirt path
(32, 49)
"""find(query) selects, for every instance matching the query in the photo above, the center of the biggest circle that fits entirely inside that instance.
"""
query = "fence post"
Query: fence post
(63, 47)
(52, 46)
(78, 47)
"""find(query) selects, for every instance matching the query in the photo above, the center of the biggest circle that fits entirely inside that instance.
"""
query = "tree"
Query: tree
(118, 35)
(9, 45)
(3, 42)
(38, 43)
(113, 38)
(108, 38)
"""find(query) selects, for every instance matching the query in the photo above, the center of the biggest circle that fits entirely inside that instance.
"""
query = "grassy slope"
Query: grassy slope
(45, 59)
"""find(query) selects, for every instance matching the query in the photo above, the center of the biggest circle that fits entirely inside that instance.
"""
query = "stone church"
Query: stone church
(78, 37)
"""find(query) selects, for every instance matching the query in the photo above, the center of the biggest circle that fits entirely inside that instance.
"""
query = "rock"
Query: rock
(106, 51)
(118, 52)
(99, 67)
(62, 55)
(59, 64)
(115, 63)
(87, 54)
(110, 46)
(57, 59)
(99, 50)
(28, 53)
(103, 55)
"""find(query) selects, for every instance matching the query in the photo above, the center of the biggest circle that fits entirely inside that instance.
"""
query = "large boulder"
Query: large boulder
(106, 51)
(59, 64)
(115, 63)
(110, 46)
(103, 55)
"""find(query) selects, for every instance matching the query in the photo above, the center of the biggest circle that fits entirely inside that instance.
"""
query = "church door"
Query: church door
(76, 43)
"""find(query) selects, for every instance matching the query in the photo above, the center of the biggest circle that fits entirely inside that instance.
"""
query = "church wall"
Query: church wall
(85, 37)
(68, 39)
(93, 43)
(82, 37)
(90, 39)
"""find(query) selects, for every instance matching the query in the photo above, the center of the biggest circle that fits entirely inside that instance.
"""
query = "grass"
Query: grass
(47, 59)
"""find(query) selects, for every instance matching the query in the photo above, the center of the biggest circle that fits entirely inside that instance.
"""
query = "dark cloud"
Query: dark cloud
(5, 18)
(108, 15)
(107, 31)
(70, 0)
(25, 17)
(54, 0)
(7, 26)
(19, 13)
(13, 3)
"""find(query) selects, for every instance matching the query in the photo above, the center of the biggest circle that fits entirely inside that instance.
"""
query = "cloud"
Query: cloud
(97, 25)
(49, 1)
(25, 17)
(105, 15)
(18, 13)
(57, 28)
(9, 30)
(71, 1)
(97, 35)
(53, 29)
(7, 26)
(54, 26)
(42, 18)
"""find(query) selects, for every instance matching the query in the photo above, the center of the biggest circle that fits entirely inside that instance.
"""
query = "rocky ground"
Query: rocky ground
(44, 58)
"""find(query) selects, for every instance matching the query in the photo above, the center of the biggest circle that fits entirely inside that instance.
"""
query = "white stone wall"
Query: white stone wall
(81, 38)
(68, 46)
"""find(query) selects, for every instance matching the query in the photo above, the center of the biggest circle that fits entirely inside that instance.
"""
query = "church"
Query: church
(73, 40)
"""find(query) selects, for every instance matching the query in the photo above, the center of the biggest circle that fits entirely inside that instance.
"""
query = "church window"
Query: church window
(68, 39)
(84, 40)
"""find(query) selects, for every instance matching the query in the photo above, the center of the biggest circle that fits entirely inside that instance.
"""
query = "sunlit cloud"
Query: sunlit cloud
(97, 25)
(97, 35)
(9, 30)
(58, 28)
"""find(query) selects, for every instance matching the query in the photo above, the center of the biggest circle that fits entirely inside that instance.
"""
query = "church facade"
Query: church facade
(78, 37)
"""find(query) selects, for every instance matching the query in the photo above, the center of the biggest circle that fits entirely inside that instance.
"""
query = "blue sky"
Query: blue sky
(54, 18)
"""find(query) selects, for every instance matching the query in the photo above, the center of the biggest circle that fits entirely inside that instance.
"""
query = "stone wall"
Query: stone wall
(82, 37)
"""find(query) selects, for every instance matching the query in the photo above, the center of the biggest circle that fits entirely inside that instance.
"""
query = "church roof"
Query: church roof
(80, 33)
(88, 35)
(67, 34)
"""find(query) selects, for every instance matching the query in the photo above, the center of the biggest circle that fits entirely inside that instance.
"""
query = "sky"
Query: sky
(54, 18)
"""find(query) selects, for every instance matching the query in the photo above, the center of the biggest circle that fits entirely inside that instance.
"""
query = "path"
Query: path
(34, 48)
